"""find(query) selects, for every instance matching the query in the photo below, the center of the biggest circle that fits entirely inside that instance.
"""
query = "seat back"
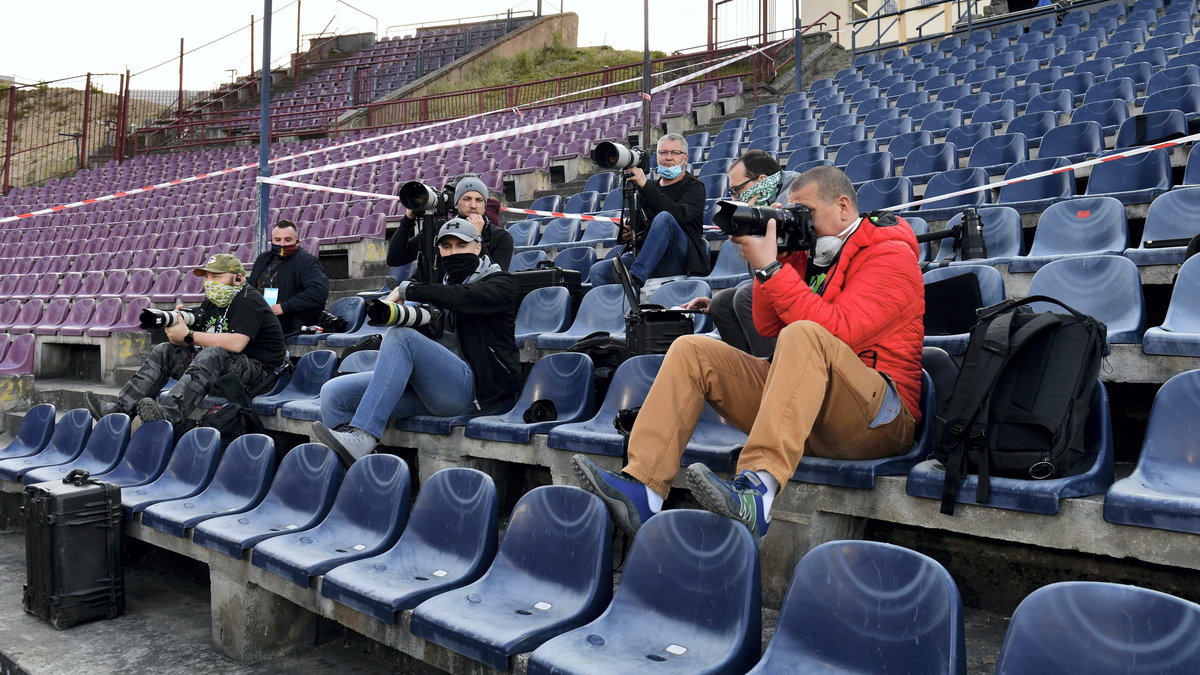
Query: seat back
(312, 370)
(1096, 627)
(955, 180)
(560, 230)
(71, 433)
(1147, 171)
(864, 606)
(1108, 113)
(37, 427)
(1150, 128)
(933, 158)
(581, 258)
(373, 498)
(307, 480)
(107, 442)
(353, 309)
(1081, 225)
(525, 232)
(996, 150)
(884, 192)
(1082, 138)
(1033, 125)
(602, 309)
(851, 150)
(246, 467)
(456, 515)
(526, 260)
(1170, 456)
(1058, 185)
(195, 458)
(564, 379)
(146, 455)
(1107, 287)
(1183, 314)
(544, 310)
(870, 166)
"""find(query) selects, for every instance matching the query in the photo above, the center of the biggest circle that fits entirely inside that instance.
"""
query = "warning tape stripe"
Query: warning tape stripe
(556, 214)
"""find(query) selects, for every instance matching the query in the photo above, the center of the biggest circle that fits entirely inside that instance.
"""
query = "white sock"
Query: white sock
(654, 499)
(772, 490)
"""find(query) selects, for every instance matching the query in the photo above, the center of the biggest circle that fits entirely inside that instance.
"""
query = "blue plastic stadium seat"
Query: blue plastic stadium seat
(1038, 194)
(602, 309)
(145, 457)
(1169, 217)
(1185, 99)
(352, 309)
(544, 310)
(675, 293)
(313, 370)
(604, 181)
(367, 516)
(847, 134)
(1180, 332)
(552, 573)
(1179, 76)
(800, 156)
(1083, 226)
(70, 435)
(919, 227)
(1163, 492)
(37, 426)
(1002, 237)
(729, 270)
(1133, 180)
(868, 607)
(189, 470)
(302, 492)
(1109, 114)
(564, 380)
(526, 260)
(241, 480)
(1151, 128)
(449, 541)
(965, 136)
(861, 473)
(869, 166)
(1107, 287)
(904, 143)
(925, 161)
(875, 195)
(991, 291)
(1073, 141)
(996, 154)
(1095, 472)
(628, 389)
(1034, 125)
(950, 182)
(1101, 628)
(851, 150)
(362, 361)
(996, 113)
(688, 603)
(350, 337)
(101, 453)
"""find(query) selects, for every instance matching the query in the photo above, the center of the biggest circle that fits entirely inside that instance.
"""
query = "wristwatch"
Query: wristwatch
(189, 338)
(767, 272)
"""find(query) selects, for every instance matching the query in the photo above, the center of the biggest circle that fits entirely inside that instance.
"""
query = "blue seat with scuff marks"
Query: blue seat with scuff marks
(868, 607)
(676, 293)
(362, 361)
(101, 453)
(240, 481)
(552, 573)
(1169, 217)
(313, 370)
(729, 270)
(602, 309)
(353, 309)
(1092, 474)
(145, 457)
(1163, 492)
(449, 541)
(305, 485)
(628, 389)
(70, 435)
(559, 382)
(1002, 237)
(189, 470)
(1179, 334)
(688, 603)
(1102, 628)
(544, 310)
(367, 516)
(1036, 195)
(37, 426)
(1106, 287)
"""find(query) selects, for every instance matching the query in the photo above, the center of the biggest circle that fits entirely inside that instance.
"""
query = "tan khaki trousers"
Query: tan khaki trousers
(816, 394)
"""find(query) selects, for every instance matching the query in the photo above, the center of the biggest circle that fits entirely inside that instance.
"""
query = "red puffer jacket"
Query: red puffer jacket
(874, 301)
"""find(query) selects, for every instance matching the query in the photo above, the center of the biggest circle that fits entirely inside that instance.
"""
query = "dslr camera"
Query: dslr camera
(422, 199)
(614, 156)
(151, 318)
(793, 223)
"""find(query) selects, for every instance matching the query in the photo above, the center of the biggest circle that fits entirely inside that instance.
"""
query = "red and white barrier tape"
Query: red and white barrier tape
(556, 214)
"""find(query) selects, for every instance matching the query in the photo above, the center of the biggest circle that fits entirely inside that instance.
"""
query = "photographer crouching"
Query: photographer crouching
(232, 331)
(450, 356)
(668, 236)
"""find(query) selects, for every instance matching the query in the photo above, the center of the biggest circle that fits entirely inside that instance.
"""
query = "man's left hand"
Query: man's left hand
(476, 220)
(636, 175)
(759, 251)
(176, 332)
(278, 309)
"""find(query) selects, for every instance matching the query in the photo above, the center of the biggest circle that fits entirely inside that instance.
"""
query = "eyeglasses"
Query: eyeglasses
(671, 153)
(736, 190)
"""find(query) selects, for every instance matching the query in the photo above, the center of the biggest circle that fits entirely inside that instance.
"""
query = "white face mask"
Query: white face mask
(826, 248)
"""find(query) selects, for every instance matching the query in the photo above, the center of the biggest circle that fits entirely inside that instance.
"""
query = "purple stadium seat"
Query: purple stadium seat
(8, 312)
(91, 284)
(25, 286)
(166, 286)
(18, 360)
(114, 285)
(191, 289)
(30, 316)
(127, 323)
(68, 286)
(77, 320)
(107, 312)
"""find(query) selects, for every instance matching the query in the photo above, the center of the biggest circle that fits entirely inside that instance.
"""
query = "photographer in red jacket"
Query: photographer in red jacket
(844, 382)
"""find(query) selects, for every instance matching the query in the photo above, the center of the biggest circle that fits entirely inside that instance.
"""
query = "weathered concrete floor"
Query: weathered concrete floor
(165, 629)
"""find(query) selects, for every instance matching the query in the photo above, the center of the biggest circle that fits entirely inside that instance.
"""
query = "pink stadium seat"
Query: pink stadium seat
(52, 317)
(18, 360)
(77, 320)
(29, 317)
(127, 321)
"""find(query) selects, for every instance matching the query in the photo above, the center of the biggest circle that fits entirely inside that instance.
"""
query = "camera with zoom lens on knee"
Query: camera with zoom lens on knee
(151, 318)
(794, 229)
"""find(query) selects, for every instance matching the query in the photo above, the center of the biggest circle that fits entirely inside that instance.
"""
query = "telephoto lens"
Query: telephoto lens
(151, 318)
(384, 313)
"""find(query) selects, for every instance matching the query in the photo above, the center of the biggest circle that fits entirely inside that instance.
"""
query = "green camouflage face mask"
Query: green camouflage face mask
(219, 294)
(766, 190)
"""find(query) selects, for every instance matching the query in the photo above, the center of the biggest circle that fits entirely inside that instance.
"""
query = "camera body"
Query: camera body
(422, 199)
(793, 223)
(151, 318)
(615, 156)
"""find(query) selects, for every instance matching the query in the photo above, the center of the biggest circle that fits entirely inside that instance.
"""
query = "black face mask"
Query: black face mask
(460, 265)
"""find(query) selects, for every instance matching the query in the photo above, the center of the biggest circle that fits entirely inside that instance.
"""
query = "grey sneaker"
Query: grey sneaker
(149, 410)
(350, 444)
(740, 498)
(97, 407)
(625, 497)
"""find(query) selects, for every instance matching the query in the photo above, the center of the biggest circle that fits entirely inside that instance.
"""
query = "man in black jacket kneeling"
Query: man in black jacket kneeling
(452, 354)
(290, 279)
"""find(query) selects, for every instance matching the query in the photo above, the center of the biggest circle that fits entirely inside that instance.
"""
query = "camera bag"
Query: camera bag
(649, 329)
(543, 275)
(1020, 405)
(73, 550)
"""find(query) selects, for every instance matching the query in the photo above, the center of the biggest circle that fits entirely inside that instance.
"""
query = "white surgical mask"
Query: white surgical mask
(826, 248)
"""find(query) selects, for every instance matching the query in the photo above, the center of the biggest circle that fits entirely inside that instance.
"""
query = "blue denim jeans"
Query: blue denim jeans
(663, 254)
(414, 376)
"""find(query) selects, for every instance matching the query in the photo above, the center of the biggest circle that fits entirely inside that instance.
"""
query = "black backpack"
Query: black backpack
(607, 354)
(1019, 407)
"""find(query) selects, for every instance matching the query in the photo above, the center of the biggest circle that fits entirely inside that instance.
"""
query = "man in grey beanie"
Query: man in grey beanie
(471, 204)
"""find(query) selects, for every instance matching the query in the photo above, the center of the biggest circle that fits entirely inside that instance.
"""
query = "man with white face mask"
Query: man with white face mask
(844, 382)
(232, 331)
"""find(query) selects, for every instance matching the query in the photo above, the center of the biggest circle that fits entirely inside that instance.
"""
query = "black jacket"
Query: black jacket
(404, 245)
(483, 315)
(685, 201)
(303, 286)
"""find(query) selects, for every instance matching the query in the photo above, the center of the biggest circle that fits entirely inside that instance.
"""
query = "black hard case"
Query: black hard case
(649, 329)
(73, 551)
(545, 274)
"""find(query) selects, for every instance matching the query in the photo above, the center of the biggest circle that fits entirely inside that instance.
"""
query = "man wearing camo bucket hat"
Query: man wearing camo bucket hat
(232, 331)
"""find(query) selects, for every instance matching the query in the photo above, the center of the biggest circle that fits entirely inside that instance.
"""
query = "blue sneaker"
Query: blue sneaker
(740, 499)
(625, 497)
